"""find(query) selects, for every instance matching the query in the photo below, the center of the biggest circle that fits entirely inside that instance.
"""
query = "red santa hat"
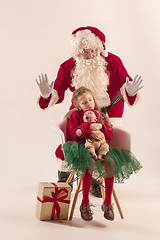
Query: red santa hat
(95, 111)
(89, 37)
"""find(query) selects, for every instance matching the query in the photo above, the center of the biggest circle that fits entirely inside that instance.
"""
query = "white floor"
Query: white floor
(140, 205)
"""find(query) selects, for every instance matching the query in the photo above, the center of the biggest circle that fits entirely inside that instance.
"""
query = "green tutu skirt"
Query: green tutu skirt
(119, 161)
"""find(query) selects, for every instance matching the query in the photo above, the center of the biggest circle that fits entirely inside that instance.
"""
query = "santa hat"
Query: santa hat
(89, 37)
(96, 113)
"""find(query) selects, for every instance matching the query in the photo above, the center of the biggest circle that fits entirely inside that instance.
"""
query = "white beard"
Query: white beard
(91, 73)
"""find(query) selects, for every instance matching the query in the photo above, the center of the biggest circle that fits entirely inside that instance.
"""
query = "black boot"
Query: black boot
(95, 188)
(63, 176)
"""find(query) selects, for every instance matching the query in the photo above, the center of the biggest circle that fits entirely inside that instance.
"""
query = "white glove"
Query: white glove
(44, 86)
(133, 87)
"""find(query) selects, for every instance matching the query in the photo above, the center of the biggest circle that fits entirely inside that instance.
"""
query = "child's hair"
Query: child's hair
(79, 92)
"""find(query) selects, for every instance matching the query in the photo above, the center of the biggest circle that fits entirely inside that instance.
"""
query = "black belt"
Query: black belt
(115, 100)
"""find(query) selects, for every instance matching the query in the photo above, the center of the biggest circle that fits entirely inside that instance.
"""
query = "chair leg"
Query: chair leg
(103, 195)
(75, 199)
(117, 203)
(70, 177)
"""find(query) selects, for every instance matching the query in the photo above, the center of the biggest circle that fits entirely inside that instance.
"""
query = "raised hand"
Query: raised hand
(133, 87)
(44, 86)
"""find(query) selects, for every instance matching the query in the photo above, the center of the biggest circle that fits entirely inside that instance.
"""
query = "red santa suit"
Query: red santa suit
(117, 79)
(116, 82)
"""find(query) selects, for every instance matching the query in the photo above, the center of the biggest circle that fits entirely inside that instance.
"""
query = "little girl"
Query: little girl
(118, 164)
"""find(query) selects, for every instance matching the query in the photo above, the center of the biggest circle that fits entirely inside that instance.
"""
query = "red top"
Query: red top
(117, 77)
(76, 121)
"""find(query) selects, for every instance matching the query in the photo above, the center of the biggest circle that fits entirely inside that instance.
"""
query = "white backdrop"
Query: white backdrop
(35, 38)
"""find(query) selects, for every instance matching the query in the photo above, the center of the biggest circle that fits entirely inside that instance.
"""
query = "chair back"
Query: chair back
(63, 127)
(120, 139)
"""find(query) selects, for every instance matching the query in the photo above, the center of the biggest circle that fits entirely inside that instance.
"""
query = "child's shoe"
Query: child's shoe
(108, 211)
(86, 213)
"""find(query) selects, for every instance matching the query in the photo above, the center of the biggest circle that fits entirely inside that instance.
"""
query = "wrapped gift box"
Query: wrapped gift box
(53, 201)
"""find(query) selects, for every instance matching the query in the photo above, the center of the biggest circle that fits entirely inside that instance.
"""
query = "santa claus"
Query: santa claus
(93, 67)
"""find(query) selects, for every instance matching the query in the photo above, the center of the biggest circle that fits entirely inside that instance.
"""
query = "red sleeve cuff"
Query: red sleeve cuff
(132, 99)
(44, 102)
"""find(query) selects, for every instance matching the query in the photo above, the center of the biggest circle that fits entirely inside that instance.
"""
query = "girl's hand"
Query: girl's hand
(98, 135)
(79, 132)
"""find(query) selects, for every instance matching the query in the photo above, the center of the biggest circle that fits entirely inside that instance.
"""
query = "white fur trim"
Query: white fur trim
(115, 121)
(54, 98)
(84, 40)
(105, 53)
(123, 92)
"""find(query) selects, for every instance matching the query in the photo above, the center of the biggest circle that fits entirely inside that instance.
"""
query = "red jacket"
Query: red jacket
(73, 123)
(117, 77)
(76, 121)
